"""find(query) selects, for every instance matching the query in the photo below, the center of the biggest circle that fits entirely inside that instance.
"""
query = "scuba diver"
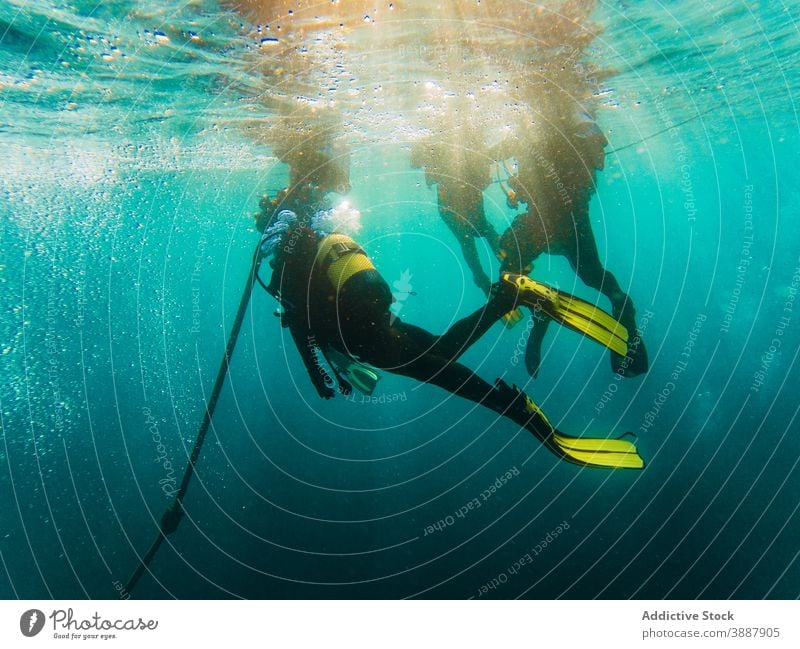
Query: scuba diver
(318, 161)
(459, 166)
(555, 180)
(336, 307)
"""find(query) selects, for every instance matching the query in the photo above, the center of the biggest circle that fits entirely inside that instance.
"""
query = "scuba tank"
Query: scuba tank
(339, 258)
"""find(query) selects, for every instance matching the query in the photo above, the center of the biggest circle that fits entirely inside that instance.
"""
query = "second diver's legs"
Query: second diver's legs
(485, 229)
(470, 251)
(533, 349)
(585, 260)
(539, 322)
(466, 229)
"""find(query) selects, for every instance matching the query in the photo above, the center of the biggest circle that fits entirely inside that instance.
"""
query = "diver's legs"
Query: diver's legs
(485, 229)
(408, 355)
(492, 237)
(464, 333)
(407, 350)
(533, 350)
(585, 260)
(404, 350)
(470, 251)
(464, 232)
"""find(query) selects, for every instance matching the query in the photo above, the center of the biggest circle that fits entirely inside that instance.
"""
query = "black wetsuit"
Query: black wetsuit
(557, 222)
(461, 175)
(357, 322)
(352, 316)
(461, 209)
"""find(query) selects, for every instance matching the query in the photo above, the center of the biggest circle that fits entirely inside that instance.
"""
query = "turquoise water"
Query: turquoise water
(133, 157)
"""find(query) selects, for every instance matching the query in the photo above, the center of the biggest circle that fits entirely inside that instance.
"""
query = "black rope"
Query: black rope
(174, 513)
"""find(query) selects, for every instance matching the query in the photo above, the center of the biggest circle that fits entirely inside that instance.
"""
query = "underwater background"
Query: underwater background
(130, 167)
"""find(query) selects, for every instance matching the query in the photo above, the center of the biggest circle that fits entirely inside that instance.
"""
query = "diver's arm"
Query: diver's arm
(306, 345)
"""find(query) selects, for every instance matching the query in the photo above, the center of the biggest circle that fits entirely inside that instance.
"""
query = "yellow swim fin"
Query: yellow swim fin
(593, 451)
(571, 311)
(584, 451)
